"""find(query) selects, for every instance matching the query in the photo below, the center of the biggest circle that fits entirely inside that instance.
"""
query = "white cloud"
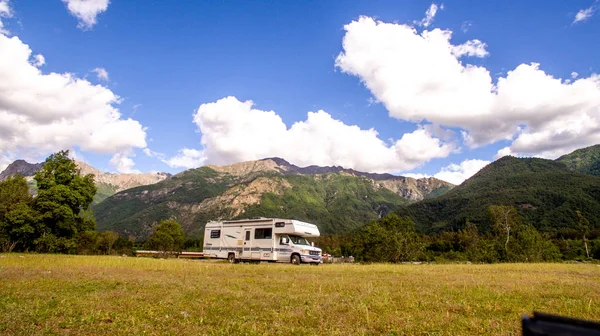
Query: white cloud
(474, 48)
(123, 163)
(429, 15)
(416, 175)
(86, 11)
(5, 12)
(4, 162)
(584, 14)
(233, 131)
(101, 73)
(506, 151)
(38, 60)
(574, 74)
(186, 158)
(41, 113)
(456, 174)
(424, 77)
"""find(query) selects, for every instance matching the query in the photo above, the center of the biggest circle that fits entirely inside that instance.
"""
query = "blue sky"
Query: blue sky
(166, 58)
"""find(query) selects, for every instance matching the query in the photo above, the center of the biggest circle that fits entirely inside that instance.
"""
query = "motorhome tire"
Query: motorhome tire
(295, 260)
(231, 258)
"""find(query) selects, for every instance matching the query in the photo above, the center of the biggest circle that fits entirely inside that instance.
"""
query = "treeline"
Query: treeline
(395, 239)
(53, 220)
(59, 219)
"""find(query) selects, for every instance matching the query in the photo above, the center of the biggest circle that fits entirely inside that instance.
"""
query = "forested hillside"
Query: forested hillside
(545, 193)
(584, 160)
(336, 199)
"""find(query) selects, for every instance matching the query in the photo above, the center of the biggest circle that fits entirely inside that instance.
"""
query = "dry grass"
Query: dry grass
(89, 295)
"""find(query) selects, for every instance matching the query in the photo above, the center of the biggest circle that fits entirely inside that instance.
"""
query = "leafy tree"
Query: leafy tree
(63, 197)
(87, 242)
(17, 219)
(167, 237)
(390, 239)
(584, 228)
(107, 240)
(531, 246)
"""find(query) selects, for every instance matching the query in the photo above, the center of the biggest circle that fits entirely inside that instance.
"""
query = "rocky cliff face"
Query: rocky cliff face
(122, 181)
(410, 188)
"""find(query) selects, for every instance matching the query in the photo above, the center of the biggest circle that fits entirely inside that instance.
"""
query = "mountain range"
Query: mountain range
(546, 193)
(108, 183)
(336, 198)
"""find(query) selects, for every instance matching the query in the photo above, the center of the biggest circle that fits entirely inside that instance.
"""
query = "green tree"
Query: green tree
(167, 237)
(583, 225)
(17, 219)
(531, 246)
(390, 239)
(63, 198)
(107, 240)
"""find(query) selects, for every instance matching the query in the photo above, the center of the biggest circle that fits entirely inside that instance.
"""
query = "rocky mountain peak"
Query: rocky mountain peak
(20, 167)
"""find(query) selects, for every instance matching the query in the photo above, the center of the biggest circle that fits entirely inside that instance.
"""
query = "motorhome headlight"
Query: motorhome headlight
(305, 251)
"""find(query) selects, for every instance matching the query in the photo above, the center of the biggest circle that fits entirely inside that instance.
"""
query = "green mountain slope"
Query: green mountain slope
(584, 160)
(545, 193)
(336, 199)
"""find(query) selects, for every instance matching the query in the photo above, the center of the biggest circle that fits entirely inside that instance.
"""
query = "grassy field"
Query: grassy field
(92, 295)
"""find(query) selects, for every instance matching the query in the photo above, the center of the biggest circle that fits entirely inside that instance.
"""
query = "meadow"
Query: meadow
(109, 295)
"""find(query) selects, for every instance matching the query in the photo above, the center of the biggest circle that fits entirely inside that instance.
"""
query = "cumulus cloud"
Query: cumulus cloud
(429, 15)
(86, 11)
(123, 162)
(41, 113)
(5, 12)
(234, 131)
(458, 173)
(101, 73)
(474, 48)
(455, 173)
(186, 158)
(506, 151)
(584, 14)
(424, 77)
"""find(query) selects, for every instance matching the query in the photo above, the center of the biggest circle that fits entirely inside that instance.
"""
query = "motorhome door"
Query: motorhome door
(246, 253)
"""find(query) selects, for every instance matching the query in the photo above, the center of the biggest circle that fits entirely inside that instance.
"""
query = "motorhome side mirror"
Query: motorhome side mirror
(312, 244)
(284, 240)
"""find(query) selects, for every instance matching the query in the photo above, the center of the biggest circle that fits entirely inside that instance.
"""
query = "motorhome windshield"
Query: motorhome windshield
(299, 240)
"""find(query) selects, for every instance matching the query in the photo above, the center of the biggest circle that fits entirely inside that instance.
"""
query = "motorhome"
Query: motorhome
(262, 239)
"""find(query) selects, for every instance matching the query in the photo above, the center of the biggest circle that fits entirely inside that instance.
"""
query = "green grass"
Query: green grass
(92, 295)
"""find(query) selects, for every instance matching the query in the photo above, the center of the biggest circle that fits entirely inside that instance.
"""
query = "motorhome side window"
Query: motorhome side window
(263, 233)
(215, 234)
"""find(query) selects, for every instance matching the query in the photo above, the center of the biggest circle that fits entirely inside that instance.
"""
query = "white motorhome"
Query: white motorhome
(262, 239)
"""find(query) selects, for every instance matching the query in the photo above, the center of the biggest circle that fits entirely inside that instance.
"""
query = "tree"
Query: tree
(167, 237)
(17, 219)
(504, 220)
(583, 225)
(63, 197)
(390, 239)
(107, 241)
